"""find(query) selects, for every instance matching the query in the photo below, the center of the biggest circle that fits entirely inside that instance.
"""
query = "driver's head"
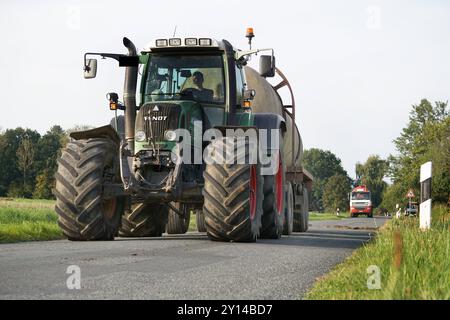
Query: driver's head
(197, 78)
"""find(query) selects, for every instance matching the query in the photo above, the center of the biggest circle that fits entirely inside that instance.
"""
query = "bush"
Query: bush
(18, 190)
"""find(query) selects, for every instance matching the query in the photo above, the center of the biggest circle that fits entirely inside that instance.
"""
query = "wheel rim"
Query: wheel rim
(279, 186)
(109, 208)
(253, 190)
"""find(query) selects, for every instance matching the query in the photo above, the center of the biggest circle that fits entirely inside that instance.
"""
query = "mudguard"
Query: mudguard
(101, 132)
(269, 121)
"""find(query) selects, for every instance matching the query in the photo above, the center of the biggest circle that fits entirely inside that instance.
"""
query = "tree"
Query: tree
(335, 193)
(25, 157)
(425, 138)
(371, 174)
(49, 149)
(323, 164)
(45, 182)
(9, 172)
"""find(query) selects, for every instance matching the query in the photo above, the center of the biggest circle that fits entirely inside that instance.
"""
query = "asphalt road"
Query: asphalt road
(181, 267)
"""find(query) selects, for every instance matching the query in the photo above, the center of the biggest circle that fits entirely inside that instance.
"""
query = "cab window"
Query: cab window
(185, 77)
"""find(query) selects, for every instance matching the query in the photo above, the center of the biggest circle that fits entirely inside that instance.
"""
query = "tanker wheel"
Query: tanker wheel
(200, 219)
(144, 220)
(177, 224)
(83, 168)
(301, 214)
(289, 211)
(233, 192)
(273, 204)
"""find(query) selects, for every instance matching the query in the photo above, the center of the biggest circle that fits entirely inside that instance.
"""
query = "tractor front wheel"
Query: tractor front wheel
(177, 224)
(233, 192)
(144, 220)
(83, 168)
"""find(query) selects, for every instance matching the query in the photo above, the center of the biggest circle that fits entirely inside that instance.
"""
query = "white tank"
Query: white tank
(268, 100)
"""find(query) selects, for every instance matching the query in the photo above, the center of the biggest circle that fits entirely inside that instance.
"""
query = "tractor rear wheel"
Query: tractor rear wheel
(233, 192)
(200, 219)
(301, 213)
(289, 211)
(177, 224)
(273, 204)
(83, 169)
(144, 220)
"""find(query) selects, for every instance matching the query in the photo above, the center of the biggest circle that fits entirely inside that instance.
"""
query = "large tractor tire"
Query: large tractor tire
(301, 213)
(273, 205)
(289, 211)
(83, 212)
(177, 224)
(144, 220)
(200, 220)
(233, 193)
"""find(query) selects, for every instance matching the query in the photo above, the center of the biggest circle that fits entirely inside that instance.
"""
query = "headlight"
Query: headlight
(170, 135)
(140, 136)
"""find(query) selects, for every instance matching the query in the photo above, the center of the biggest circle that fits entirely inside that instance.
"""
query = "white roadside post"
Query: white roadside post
(425, 196)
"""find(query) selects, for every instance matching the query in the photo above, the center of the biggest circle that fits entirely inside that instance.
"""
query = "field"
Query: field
(413, 264)
(28, 220)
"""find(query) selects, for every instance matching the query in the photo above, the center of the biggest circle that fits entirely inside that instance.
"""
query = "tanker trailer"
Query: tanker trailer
(298, 182)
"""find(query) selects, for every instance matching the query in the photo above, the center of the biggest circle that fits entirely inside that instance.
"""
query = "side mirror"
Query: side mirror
(90, 69)
(267, 66)
(249, 94)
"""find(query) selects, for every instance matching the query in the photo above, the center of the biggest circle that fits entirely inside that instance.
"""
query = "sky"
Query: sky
(356, 66)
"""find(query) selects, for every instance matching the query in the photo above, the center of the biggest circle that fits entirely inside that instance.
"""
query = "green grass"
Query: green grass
(315, 216)
(28, 220)
(193, 223)
(414, 264)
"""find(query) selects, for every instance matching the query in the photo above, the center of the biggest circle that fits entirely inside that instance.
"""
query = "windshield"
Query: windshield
(185, 77)
(360, 195)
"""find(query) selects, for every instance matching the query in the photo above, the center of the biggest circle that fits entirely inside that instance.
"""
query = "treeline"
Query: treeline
(28, 161)
(426, 137)
(332, 183)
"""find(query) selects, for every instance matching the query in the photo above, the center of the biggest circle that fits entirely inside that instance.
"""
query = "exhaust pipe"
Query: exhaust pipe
(129, 95)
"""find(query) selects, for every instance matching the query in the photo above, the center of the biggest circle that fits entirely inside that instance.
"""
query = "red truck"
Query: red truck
(361, 202)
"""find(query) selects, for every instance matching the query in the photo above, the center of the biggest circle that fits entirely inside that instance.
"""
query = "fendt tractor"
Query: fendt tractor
(135, 177)
(361, 202)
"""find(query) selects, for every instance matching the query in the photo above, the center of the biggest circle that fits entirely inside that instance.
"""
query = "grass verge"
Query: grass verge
(413, 264)
(28, 220)
(317, 216)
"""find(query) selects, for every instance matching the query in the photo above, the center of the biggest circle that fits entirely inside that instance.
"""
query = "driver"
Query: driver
(201, 93)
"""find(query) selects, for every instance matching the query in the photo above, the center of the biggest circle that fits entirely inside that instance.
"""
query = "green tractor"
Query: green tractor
(145, 173)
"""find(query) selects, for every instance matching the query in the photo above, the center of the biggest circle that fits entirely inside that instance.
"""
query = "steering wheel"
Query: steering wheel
(190, 91)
